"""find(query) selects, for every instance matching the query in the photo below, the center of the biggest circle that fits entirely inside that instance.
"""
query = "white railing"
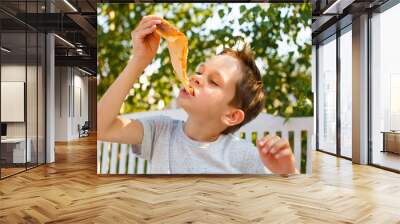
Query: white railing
(115, 158)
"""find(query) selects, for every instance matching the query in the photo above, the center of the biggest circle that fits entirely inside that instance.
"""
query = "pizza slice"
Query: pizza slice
(178, 51)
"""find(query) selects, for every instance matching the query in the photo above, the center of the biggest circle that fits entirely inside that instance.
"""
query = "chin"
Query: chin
(182, 104)
(186, 106)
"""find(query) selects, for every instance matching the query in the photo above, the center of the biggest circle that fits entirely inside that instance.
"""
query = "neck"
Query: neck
(201, 130)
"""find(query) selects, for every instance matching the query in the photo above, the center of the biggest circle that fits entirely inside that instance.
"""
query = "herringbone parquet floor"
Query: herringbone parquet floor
(69, 191)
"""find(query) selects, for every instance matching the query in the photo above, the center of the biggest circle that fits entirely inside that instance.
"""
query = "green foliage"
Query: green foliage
(287, 79)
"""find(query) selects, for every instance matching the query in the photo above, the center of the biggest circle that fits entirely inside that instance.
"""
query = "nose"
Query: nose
(196, 80)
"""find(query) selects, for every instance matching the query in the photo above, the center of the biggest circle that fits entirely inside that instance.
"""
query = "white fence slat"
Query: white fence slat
(140, 166)
(123, 155)
(248, 136)
(237, 134)
(99, 145)
(114, 158)
(285, 134)
(131, 161)
(272, 132)
(297, 148)
(104, 162)
(260, 135)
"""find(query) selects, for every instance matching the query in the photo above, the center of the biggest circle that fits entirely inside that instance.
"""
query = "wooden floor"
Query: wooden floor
(69, 191)
(10, 171)
(387, 159)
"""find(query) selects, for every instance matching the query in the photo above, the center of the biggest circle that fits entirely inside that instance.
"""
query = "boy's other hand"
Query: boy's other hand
(276, 155)
(145, 41)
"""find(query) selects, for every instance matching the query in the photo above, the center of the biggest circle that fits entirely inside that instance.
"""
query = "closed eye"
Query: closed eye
(214, 83)
(211, 81)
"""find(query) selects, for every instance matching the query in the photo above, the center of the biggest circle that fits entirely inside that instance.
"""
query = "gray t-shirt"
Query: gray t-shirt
(170, 151)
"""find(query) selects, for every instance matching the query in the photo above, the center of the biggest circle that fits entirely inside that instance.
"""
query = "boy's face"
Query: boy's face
(214, 87)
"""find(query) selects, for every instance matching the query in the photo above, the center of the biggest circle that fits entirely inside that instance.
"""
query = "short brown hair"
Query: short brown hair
(249, 93)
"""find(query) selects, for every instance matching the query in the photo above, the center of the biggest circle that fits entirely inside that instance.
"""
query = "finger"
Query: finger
(283, 153)
(264, 153)
(147, 31)
(271, 141)
(149, 23)
(261, 142)
(154, 38)
(282, 143)
(149, 17)
(264, 140)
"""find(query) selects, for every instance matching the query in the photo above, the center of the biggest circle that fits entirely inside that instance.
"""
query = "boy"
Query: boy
(228, 93)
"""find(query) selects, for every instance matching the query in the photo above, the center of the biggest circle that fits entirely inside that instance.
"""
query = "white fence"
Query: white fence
(115, 158)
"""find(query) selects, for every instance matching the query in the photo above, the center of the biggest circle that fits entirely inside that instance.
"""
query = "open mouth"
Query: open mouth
(186, 93)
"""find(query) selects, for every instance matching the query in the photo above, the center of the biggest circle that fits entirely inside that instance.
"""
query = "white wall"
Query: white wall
(33, 127)
(80, 100)
(12, 73)
(71, 94)
(61, 103)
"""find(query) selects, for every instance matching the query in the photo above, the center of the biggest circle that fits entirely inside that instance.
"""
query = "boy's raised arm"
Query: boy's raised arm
(110, 127)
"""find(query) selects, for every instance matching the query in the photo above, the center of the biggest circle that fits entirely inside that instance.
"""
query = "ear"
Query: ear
(233, 117)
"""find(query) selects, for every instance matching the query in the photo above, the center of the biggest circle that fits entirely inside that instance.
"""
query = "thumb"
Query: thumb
(155, 37)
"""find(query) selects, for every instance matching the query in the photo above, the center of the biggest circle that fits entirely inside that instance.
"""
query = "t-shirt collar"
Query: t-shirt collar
(198, 144)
